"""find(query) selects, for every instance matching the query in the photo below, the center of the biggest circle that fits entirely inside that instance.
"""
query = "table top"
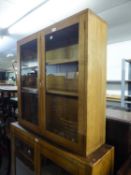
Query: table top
(117, 114)
(8, 88)
(15, 99)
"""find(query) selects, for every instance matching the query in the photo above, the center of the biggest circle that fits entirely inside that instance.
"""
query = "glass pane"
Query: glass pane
(30, 107)
(24, 157)
(29, 64)
(62, 116)
(50, 168)
(62, 73)
(22, 168)
(29, 72)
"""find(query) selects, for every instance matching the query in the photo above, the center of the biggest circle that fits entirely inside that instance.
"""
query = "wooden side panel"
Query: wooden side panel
(96, 38)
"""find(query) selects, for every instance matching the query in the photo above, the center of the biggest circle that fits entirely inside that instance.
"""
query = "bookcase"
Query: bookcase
(62, 82)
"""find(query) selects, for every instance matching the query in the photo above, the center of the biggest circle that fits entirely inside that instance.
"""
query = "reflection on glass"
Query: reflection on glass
(62, 74)
(29, 64)
(30, 107)
(24, 158)
(50, 168)
(29, 74)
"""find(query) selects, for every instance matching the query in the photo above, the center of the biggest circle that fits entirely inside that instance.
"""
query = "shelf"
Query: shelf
(29, 90)
(29, 67)
(117, 81)
(113, 99)
(64, 93)
(128, 102)
(31, 57)
(65, 61)
(113, 81)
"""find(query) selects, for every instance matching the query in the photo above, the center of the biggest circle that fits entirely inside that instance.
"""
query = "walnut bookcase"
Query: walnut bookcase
(62, 82)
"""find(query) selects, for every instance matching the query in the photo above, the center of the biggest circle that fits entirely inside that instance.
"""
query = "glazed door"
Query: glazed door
(29, 84)
(61, 50)
(62, 73)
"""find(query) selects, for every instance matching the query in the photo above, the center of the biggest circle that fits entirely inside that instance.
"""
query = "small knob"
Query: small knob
(29, 151)
(36, 140)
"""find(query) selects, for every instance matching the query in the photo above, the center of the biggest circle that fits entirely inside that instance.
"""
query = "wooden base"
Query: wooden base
(101, 162)
(98, 163)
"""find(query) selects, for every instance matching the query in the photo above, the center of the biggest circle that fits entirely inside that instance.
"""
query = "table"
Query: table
(8, 89)
(6, 93)
(118, 134)
(119, 115)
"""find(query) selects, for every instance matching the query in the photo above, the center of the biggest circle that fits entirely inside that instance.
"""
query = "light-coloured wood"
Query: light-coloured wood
(60, 140)
(88, 87)
(96, 34)
(78, 103)
(100, 162)
(91, 83)
(43, 86)
(82, 118)
(105, 165)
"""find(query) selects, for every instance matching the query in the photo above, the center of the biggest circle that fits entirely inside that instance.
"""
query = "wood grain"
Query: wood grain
(89, 83)
(96, 34)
